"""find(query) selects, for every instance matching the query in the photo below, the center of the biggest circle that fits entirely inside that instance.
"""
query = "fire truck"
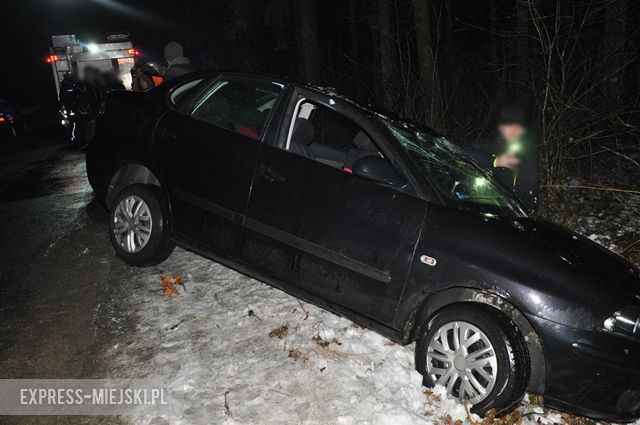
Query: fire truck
(69, 55)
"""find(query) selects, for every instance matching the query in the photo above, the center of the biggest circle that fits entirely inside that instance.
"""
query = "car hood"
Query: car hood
(542, 268)
(581, 281)
(582, 253)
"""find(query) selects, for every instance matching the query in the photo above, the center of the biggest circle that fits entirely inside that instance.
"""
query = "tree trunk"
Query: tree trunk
(448, 25)
(386, 57)
(427, 78)
(614, 49)
(493, 23)
(522, 41)
(353, 36)
(309, 41)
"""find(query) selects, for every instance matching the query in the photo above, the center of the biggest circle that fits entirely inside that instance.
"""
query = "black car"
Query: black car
(379, 220)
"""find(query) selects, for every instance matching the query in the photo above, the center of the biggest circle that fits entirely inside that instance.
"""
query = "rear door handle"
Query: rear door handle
(269, 174)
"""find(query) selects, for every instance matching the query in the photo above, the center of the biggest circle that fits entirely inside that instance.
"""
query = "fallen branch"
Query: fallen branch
(227, 411)
(306, 313)
(635, 243)
(603, 189)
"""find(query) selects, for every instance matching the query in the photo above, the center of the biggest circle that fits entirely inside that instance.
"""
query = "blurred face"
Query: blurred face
(511, 132)
(90, 75)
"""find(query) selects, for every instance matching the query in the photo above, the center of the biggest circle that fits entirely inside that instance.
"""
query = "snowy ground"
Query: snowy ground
(221, 343)
(224, 336)
(278, 360)
(610, 218)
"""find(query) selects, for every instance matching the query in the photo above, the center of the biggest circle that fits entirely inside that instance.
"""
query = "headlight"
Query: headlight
(626, 321)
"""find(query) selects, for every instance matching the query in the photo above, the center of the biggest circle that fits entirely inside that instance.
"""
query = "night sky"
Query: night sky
(27, 26)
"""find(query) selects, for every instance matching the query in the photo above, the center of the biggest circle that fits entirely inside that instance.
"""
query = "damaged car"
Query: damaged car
(378, 219)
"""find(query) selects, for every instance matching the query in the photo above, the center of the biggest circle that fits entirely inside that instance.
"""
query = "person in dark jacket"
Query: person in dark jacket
(145, 77)
(71, 94)
(510, 154)
(177, 63)
(109, 82)
(90, 98)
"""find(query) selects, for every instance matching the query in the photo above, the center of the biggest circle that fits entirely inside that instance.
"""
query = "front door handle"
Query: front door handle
(270, 174)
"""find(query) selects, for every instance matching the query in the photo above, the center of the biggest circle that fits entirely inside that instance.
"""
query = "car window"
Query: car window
(327, 136)
(456, 178)
(240, 105)
(181, 95)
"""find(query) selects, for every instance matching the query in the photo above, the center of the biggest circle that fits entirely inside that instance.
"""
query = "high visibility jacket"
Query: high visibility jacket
(157, 80)
(522, 181)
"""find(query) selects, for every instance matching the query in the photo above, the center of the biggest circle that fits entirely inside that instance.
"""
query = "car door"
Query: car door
(207, 152)
(312, 223)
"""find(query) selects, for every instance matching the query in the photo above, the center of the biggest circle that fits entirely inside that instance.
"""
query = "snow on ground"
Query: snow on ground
(608, 218)
(278, 360)
(238, 351)
(607, 228)
(273, 358)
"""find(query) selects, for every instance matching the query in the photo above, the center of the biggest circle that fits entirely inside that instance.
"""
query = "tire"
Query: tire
(150, 223)
(509, 368)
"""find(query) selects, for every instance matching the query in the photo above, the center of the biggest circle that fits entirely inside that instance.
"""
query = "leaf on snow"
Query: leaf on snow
(170, 285)
(279, 332)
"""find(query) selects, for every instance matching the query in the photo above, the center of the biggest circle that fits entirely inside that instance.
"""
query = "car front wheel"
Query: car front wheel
(138, 226)
(477, 354)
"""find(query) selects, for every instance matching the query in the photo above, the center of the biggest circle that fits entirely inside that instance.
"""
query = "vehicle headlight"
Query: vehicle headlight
(626, 321)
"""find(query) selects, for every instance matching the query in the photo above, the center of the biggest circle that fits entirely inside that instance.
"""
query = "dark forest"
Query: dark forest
(449, 64)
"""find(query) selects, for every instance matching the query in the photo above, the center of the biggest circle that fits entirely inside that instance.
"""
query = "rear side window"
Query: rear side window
(240, 105)
(180, 95)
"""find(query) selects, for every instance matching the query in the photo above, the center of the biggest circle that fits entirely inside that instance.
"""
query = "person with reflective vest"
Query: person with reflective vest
(510, 154)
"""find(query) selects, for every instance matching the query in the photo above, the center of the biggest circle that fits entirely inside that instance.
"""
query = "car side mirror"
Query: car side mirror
(378, 169)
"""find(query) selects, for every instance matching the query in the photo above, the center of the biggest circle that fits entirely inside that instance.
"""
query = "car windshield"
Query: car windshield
(459, 181)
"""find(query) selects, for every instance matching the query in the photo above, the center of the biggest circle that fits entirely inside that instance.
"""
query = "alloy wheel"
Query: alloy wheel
(132, 224)
(461, 358)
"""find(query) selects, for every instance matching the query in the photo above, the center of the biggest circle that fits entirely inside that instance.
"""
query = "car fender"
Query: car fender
(128, 174)
(433, 303)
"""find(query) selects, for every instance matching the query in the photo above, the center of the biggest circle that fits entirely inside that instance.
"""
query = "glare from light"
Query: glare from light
(536, 299)
(480, 182)
(93, 48)
(132, 11)
(515, 147)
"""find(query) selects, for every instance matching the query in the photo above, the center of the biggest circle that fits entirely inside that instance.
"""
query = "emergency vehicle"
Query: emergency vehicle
(69, 55)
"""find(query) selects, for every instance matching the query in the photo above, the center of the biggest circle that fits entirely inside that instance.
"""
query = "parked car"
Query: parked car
(379, 220)
(8, 121)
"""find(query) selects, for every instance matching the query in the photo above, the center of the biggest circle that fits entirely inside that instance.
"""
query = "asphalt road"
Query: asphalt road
(59, 279)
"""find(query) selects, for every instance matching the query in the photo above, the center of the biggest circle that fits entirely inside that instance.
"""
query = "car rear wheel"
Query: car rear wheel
(477, 354)
(138, 226)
